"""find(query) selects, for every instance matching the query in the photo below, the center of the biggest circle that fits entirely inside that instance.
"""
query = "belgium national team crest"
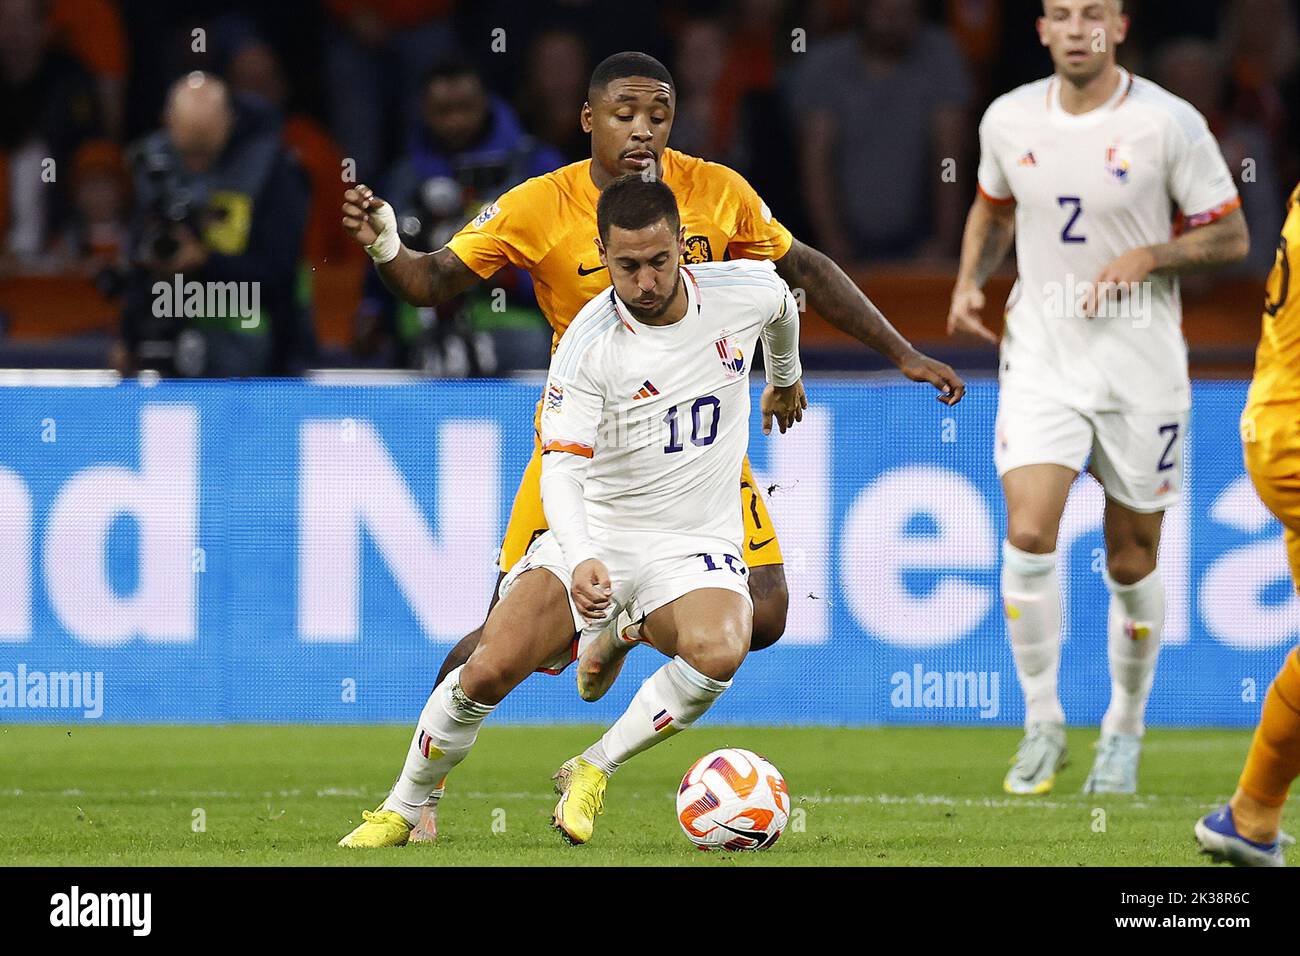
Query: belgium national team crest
(698, 250)
(733, 359)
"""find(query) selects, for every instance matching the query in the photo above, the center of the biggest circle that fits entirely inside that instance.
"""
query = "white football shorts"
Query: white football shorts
(1137, 456)
(646, 570)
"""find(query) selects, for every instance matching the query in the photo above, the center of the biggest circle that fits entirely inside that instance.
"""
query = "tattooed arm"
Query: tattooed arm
(989, 235)
(841, 303)
(1214, 244)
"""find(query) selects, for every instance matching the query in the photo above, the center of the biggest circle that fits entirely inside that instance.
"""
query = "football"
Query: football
(734, 800)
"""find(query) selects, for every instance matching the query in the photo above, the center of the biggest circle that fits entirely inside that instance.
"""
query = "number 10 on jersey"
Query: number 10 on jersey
(704, 423)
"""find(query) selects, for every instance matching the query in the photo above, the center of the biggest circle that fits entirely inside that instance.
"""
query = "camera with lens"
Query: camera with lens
(434, 210)
(169, 199)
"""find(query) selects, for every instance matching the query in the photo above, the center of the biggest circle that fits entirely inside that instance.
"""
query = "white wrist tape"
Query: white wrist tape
(386, 245)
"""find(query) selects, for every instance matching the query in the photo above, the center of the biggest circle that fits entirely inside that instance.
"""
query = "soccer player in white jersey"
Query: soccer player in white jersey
(644, 427)
(1088, 171)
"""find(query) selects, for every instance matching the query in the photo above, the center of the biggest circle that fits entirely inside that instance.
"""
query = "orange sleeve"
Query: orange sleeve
(757, 234)
(514, 230)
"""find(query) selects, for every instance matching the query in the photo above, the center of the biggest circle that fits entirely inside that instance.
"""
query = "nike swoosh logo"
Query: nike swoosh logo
(587, 272)
(755, 545)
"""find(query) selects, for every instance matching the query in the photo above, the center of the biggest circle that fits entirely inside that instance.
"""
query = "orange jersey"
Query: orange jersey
(1277, 360)
(547, 226)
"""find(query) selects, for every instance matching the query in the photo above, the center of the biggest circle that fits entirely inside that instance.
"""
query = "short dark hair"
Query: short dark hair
(627, 63)
(632, 202)
(451, 66)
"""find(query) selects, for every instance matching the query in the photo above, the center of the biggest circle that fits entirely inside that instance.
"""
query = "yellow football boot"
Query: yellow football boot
(581, 801)
(379, 827)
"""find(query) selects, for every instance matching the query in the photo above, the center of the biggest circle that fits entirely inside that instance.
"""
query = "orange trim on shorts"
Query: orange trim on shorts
(573, 656)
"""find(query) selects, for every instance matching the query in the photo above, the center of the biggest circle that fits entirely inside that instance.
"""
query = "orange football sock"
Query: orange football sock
(1274, 758)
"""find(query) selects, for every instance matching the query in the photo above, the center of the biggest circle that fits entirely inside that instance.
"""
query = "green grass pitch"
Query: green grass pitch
(282, 795)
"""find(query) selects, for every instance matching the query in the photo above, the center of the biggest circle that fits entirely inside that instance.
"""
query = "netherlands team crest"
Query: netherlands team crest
(698, 250)
(732, 358)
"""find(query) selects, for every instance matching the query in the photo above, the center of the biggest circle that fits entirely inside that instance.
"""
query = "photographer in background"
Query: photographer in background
(467, 151)
(217, 234)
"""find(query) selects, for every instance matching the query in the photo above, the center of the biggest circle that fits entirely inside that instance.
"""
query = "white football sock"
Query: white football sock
(1031, 599)
(669, 701)
(1136, 618)
(445, 733)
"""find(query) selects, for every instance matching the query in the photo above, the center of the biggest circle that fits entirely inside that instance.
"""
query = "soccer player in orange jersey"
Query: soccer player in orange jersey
(547, 226)
(1247, 830)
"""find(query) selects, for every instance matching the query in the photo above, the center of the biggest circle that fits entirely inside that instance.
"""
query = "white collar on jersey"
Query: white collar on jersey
(1060, 117)
(633, 324)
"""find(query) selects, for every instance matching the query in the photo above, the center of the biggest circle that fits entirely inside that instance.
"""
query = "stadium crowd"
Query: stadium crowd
(854, 119)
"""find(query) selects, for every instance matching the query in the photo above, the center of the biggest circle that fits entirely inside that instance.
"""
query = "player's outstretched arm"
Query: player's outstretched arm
(836, 298)
(418, 278)
(988, 237)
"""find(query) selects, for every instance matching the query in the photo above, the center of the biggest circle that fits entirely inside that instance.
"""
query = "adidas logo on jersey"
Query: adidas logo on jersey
(647, 390)
(1028, 159)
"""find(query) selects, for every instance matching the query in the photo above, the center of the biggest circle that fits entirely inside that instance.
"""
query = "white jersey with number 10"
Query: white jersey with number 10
(662, 412)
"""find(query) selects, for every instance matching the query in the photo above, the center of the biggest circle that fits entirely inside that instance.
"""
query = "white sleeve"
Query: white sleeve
(571, 412)
(781, 342)
(991, 180)
(1199, 180)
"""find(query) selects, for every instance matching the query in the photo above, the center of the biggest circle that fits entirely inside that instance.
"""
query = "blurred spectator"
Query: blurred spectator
(604, 27)
(880, 111)
(48, 107)
(976, 26)
(554, 90)
(254, 70)
(1193, 70)
(728, 107)
(376, 52)
(1262, 41)
(469, 149)
(699, 126)
(92, 31)
(96, 236)
(220, 206)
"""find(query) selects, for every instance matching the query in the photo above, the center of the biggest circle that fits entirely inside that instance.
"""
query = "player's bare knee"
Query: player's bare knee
(719, 653)
(717, 663)
(488, 678)
(1032, 540)
(1130, 563)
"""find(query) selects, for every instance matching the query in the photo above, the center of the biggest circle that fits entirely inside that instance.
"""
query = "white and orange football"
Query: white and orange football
(734, 800)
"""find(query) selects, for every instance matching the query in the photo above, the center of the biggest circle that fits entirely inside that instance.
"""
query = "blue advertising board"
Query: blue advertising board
(294, 552)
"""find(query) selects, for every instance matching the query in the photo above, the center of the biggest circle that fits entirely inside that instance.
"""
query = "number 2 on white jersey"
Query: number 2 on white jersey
(1067, 234)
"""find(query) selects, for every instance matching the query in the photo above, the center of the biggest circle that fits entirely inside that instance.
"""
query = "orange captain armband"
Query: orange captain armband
(572, 447)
